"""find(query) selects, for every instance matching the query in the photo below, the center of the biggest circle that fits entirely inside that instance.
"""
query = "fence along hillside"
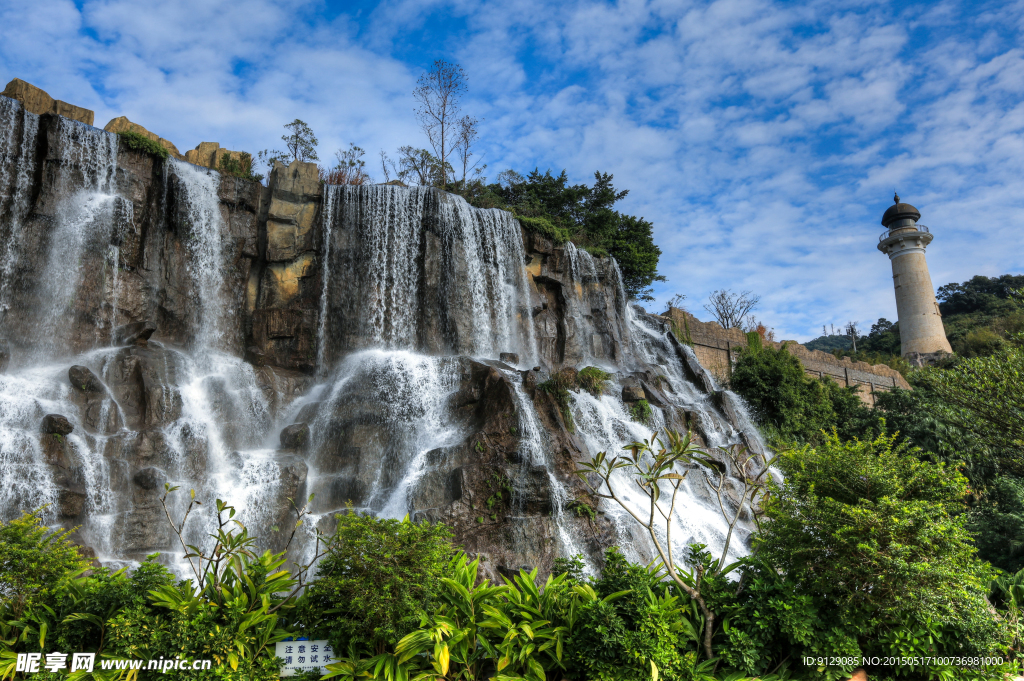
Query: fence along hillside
(718, 349)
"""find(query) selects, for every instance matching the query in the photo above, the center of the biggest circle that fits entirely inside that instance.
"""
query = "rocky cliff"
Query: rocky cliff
(382, 347)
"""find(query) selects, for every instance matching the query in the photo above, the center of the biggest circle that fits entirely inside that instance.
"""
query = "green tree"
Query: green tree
(377, 579)
(985, 397)
(997, 524)
(584, 215)
(880, 534)
(788, 404)
(34, 561)
(300, 141)
(300, 144)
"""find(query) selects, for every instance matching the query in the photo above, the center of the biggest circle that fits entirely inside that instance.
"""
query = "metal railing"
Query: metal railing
(886, 234)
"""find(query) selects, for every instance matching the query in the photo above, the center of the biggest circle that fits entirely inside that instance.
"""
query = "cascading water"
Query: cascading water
(17, 170)
(408, 297)
(381, 294)
(200, 218)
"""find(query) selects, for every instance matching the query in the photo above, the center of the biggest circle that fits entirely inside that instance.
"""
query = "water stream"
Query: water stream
(417, 290)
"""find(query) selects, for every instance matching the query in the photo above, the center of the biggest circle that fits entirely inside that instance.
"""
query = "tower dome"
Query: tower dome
(899, 211)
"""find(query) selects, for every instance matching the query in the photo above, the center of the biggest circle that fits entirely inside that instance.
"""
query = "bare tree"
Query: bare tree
(677, 301)
(467, 135)
(438, 95)
(851, 331)
(349, 169)
(730, 309)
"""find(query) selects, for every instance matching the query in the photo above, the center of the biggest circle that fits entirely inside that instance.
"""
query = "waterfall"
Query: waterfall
(17, 171)
(384, 412)
(332, 197)
(400, 279)
(84, 225)
(412, 298)
(203, 228)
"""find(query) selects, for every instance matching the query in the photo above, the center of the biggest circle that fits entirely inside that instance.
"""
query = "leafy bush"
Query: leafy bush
(880, 534)
(229, 616)
(985, 396)
(558, 387)
(641, 411)
(545, 227)
(790, 405)
(34, 562)
(137, 142)
(627, 619)
(593, 380)
(239, 167)
(376, 580)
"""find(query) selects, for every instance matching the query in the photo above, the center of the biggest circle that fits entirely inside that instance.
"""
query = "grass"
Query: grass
(594, 381)
(558, 386)
(545, 227)
(137, 142)
(239, 167)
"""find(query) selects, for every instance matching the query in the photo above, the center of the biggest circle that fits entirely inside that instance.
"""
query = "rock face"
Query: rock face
(209, 155)
(384, 347)
(38, 102)
(122, 124)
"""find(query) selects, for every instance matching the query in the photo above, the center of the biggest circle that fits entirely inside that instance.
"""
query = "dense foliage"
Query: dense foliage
(377, 577)
(585, 215)
(138, 142)
(788, 404)
(33, 561)
(242, 167)
(874, 529)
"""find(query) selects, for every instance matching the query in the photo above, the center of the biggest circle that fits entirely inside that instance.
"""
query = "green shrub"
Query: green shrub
(378, 578)
(593, 380)
(35, 561)
(137, 142)
(790, 405)
(634, 620)
(641, 412)
(239, 167)
(558, 386)
(879, 534)
(545, 227)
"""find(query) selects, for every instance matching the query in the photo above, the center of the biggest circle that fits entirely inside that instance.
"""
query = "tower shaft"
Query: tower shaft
(921, 327)
(921, 330)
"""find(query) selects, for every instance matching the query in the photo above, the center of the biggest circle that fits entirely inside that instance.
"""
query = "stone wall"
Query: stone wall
(718, 348)
(39, 102)
(122, 124)
(209, 155)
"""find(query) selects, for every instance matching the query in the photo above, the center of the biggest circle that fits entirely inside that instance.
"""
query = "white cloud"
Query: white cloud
(762, 138)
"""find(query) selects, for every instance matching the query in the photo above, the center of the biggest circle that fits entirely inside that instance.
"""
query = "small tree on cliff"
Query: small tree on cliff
(438, 94)
(300, 144)
(730, 309)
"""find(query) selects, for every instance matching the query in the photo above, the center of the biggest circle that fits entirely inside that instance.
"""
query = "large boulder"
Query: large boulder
(39, 102)
(122, 124)
(82, 378)
(149, 478)
(295, 436)
(209, 155)
(136, 333)
(56, 424)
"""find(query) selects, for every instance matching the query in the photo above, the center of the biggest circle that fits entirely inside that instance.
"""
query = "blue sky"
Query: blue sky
(763, 139)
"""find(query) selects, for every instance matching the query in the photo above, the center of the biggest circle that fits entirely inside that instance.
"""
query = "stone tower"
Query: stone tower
(904, 242)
